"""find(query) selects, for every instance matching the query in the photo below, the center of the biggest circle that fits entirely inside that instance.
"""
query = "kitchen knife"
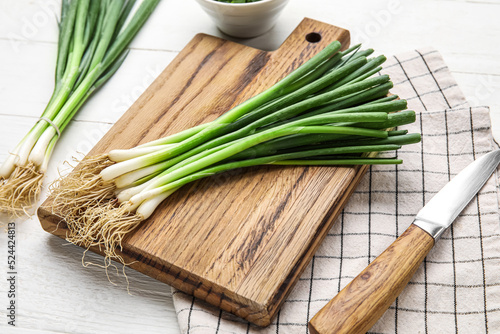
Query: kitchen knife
(362, 302)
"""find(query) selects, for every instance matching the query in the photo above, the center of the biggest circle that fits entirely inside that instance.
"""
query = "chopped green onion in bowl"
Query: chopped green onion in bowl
(93, 40)
(237, 1)
(244, 19)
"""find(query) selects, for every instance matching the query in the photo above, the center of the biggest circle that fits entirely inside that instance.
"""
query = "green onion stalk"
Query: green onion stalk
(333, 110)
(92, 44)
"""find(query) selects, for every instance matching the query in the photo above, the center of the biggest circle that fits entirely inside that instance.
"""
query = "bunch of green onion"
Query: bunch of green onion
(335, 109)
(93, 36)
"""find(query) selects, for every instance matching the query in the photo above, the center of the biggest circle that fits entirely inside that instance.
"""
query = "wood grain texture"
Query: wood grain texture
(362, 302)
(241, 239)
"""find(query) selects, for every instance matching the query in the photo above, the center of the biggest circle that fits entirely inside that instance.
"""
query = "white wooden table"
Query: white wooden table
(54, 292)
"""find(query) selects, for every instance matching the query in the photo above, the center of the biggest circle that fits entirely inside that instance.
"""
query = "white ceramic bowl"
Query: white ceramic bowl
(244, 20)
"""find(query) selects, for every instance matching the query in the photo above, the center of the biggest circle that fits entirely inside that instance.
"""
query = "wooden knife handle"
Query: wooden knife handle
(360, 304)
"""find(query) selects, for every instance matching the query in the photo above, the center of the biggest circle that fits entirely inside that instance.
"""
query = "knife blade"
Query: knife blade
(362, 302)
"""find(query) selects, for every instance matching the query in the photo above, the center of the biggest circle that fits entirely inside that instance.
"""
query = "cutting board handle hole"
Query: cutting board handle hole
(313, 37)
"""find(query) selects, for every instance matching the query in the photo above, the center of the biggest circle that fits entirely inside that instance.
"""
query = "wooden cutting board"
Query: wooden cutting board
(239, 240)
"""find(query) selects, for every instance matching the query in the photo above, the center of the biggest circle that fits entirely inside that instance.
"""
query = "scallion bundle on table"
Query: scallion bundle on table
(332, 110)
(92, 44)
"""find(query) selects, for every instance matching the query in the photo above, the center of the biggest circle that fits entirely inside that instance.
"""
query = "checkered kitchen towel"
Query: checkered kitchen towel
(457, 288)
